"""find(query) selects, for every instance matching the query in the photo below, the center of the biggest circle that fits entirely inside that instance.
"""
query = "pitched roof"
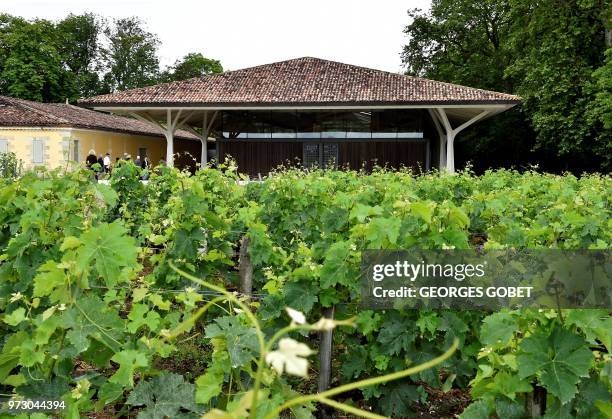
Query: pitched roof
(25, 113)
(303, 81)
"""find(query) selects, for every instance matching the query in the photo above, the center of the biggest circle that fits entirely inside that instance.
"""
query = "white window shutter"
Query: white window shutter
(38, 150)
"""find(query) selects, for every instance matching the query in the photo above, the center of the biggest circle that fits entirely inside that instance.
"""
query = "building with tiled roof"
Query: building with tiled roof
(51, 134)
(315, 111)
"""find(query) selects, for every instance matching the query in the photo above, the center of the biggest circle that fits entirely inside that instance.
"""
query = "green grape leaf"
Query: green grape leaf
(396, 334)
(70, 242)
(368, 321)
(498, 328)
(90, 318)
(382, 231)
(423, 210)
(428, 322)
(15, 317)
(7, 363)
(360, 212)
(164, 396)
(595, 324)
(301, 295)
(559, 359)
(508, 385)
(456, 217)
(210, 384)
(31, 354)
(140, 315)
(604, 407)
(335, 269)
(109, 392)
(51, 278)
(128, 361)
(109, 249)
(159, 302)
(46, 328)
(508, 409)
(241, 340)
(480, 409)
(558, 410)
(355, 362)
(397, 399)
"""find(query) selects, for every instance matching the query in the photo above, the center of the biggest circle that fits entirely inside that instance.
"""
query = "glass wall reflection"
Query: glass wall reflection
(376, 124)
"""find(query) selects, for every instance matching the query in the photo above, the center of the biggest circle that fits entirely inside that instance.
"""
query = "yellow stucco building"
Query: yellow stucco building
(52, 134)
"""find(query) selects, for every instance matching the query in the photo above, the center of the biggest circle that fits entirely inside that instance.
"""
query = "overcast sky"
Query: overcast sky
(243, 33)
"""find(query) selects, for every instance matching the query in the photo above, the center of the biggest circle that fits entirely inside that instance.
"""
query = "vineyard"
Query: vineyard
(125, 300)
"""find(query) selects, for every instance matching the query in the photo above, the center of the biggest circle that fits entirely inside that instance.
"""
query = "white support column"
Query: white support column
(442, 139)
(204, 140)
(171, 124)
(169, 140)
(206, 127)
(452, 133)
(167, 129)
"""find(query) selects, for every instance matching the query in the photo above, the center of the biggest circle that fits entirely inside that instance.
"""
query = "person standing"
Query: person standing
(91, 159)
(107, 162)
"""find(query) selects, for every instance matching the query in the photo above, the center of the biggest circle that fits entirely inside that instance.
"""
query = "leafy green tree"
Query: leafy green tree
(8, 23)
(80, 50)
(192, 65)
(131, 56)
(600, 109)
(556, 48)
(465, 42)
(33, 67)
(460, 41)
(547, 52)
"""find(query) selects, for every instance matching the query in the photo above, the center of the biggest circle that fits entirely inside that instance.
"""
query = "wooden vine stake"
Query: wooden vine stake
(325, 353)
(536, 402)
(245, 268)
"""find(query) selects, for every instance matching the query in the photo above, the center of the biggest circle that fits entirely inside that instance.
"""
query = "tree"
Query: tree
(465, 42)
(557, 48)
(33, 68)
(131, 56)
(600, 109)
(190, 66)
(80, 50)
(461, 42)
(546, 51)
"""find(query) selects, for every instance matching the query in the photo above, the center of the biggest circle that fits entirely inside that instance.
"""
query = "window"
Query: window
(75, 150)
(142, 152)
(320, 124)
(329, 155)
(311, 155)
(3, 146)
(358, 124)
(323, 155)
(38, 150)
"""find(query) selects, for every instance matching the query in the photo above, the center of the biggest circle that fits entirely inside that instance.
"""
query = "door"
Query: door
(322, 155)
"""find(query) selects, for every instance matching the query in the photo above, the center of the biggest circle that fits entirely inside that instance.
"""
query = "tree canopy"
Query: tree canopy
(190, 66)
(84, 55)
(552, 54)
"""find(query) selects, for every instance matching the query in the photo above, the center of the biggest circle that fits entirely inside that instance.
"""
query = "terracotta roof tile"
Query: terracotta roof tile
(25, 113)
(306, 82)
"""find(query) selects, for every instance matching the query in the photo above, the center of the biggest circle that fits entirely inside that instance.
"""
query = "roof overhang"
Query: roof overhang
(458, 112)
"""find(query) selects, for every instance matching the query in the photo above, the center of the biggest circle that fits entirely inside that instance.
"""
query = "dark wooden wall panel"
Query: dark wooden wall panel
(393, 154)
(260, 157)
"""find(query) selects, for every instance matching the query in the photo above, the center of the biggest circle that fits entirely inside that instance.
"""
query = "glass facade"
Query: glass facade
(383, 124)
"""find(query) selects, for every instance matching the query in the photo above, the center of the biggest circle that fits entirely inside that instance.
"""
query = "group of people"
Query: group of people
(105, 162)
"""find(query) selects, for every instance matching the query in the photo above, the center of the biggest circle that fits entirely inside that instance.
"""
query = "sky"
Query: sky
(244, 33)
